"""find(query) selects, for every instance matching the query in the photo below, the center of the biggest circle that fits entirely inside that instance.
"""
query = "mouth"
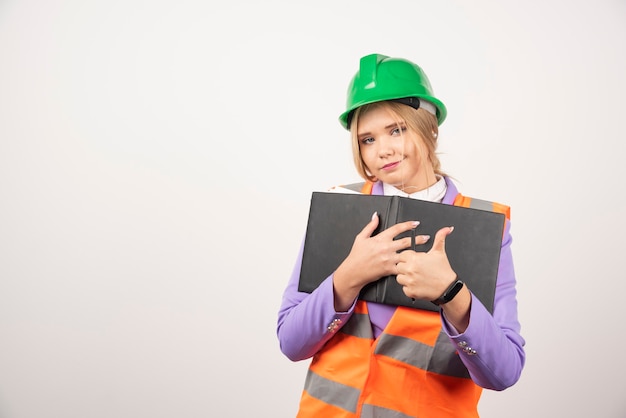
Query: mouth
(391, 166)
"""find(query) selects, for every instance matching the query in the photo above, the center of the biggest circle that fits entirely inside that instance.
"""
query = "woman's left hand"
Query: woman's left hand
(426, 275)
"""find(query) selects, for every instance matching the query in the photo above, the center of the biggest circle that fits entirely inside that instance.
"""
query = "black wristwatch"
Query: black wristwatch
(450, 293)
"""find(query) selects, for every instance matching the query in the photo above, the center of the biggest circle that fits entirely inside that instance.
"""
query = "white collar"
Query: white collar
(433, 193)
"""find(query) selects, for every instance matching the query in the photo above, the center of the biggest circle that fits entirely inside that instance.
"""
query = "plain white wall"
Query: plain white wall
(156, 164)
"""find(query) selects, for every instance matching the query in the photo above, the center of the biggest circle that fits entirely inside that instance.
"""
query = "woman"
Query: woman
(375, 360)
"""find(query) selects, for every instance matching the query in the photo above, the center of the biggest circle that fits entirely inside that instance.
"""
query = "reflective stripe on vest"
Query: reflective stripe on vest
(470, 202)
(412, 369)
(331, 392)
(362, 187)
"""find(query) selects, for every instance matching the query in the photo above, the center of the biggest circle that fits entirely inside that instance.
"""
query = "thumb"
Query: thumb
(439, 244)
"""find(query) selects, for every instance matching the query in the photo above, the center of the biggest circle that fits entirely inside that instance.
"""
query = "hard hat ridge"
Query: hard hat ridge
(381, 77)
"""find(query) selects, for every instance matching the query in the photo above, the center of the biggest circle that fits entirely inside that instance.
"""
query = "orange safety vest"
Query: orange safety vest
(410, 370)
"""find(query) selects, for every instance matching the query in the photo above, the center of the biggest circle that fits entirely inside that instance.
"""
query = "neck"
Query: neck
(419, 184)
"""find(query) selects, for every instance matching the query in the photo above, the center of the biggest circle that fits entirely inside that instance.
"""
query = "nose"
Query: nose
(385, 147)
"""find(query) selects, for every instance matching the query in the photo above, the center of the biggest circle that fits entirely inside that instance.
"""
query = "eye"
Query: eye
(367, 140)
(398, 130)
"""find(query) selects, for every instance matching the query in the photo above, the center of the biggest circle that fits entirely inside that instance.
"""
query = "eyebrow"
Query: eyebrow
(391, 125)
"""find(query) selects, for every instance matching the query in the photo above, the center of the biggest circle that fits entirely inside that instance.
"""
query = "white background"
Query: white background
(156, 164)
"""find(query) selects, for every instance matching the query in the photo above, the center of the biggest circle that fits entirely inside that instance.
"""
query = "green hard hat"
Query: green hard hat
(384, 78)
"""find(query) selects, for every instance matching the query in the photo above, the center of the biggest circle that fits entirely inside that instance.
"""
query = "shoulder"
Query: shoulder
(354, 188)
(454, 197)
(475, 203)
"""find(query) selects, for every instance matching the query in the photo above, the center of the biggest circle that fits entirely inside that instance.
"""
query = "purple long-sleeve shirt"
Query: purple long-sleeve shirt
(491, 347)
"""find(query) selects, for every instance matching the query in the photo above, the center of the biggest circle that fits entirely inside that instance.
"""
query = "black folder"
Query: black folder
(473, 248)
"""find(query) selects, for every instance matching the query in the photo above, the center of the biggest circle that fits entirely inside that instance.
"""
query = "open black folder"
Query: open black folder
(473, 248)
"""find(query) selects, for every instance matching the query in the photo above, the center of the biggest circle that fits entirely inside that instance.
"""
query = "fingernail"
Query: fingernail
(374, 215)
(451, 229)
(415, 223)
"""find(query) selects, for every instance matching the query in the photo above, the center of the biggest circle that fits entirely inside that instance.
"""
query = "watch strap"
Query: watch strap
(450, 292)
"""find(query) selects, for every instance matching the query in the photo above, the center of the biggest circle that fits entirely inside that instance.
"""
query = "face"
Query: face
(390, 152)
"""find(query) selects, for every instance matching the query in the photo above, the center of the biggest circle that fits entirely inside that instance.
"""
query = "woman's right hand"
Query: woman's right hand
(370, 258)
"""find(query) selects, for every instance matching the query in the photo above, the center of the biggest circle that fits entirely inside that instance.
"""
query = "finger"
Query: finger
(402, 243)
(421, 239)
(439, 244)
(371, 226)
(395, 230)
(407, 256)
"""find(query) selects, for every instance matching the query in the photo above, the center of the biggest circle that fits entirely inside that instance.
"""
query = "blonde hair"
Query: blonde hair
(419, 121)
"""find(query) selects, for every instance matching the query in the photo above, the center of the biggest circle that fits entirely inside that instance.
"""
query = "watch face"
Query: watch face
(455, 289)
